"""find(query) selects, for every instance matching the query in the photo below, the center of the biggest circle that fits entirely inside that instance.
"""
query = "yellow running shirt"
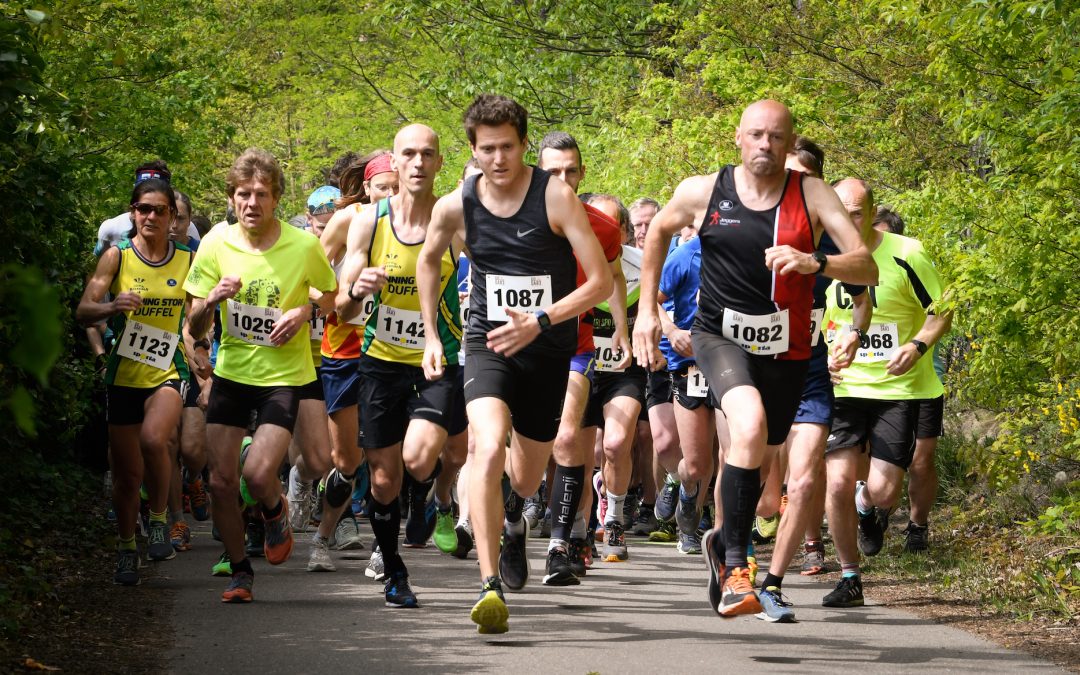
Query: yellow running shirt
(274, 281)
(148, 349)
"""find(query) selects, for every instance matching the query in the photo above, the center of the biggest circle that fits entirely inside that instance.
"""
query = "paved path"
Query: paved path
(645, 616)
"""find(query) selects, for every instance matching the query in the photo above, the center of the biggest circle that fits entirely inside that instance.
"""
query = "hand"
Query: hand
(681, 343)
(785, 259)
(200, 363)
(204, 393)
(126, 302)
(834, 372)
(903, 359)
(843, 353)
(371, 280)
(290, 324)
(622, 346)
(515, 334)
(646, 341)
(227, 287)
(433, 360)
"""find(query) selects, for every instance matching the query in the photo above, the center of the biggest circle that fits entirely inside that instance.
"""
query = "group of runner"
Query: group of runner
(465, 363)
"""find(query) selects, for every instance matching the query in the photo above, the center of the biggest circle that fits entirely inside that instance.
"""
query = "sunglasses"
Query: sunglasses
(147, 209)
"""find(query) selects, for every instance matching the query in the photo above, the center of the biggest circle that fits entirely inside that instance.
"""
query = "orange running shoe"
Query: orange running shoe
(239, 589)
(277, 547)
(738, 595)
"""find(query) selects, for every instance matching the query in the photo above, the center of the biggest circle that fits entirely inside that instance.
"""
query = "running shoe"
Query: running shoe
(446, 539)
(319, 560)
(513, 559)
(278, 544)
(577, 552)
(533, 511)
(630, 508)
(687, 517)
(813, 559)
(255, 536)
(346, 536)
(766, 528)
(376, 569)
(557, 571)
(223, 567)
(464, 541)
(645, 523)
(545, 525)
(713, 546)
(300, 502)
(774, 608)
(664, 532)
(689, 543)
(917, 538)
(848, 593)
(738, 595)
(420, 524)
(239, 589)
(127, 568)
(752, 566)
(872, 531)
(615, 543)
(398, 593)
(667, 500)
(180, 536)
(490, 613)
(159, 546)
(199, 500)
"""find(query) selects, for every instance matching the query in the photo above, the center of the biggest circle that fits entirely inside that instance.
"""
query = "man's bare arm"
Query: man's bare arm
(447, 227)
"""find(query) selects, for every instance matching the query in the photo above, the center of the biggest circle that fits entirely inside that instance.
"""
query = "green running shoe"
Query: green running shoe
(445, 536)
(223, 567)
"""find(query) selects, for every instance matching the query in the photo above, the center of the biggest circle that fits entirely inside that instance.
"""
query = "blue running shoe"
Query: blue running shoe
(774, 608)
(398, 592)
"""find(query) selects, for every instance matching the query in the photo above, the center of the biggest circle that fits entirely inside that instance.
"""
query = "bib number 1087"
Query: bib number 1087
(518, 293)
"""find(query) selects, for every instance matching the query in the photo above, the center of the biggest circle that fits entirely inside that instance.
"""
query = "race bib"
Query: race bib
(763, 334)
(400, 327)
(366, 308)
(879, 344)
(607, 356)
(696, 385)
(250, 323)
(149, 345)
(816, 316)
(318, 326)
(526, 294)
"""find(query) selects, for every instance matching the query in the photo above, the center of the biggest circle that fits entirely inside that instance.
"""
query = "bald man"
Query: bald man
(759, 226)
(404, 418)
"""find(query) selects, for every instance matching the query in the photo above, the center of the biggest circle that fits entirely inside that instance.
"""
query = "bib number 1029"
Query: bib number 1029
(251, 323)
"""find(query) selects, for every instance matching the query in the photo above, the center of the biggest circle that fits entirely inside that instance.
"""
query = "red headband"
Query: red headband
(380, 164)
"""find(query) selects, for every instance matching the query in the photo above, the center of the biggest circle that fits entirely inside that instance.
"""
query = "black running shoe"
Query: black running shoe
(256, 536)
(578, 547)
(872, 531)
(918, 538)
(713, 547)
(420, 524)
(398, 592)
(513, 559)
(464, 542)
(848, 593)
(558, 572)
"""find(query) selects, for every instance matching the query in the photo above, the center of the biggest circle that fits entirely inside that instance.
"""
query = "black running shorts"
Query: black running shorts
(127, 405)
(609, 386)
(888, 427)
(232, 404)
(313, 389)
(658, 390)
(391, 394)
(931, 418)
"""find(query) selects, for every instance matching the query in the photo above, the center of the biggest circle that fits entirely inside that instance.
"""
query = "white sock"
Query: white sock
(558, 542)
(514, 528)
(580, 527)
(615, 507)
(860, 499)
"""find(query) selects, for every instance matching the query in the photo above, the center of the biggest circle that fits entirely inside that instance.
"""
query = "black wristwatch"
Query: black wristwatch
(920, 345)
(821, 259)
(544, 320)
(202, 344)
(862, 336)
(353, 297)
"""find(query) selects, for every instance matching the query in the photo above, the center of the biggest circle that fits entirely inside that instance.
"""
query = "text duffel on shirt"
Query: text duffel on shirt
(278, 278)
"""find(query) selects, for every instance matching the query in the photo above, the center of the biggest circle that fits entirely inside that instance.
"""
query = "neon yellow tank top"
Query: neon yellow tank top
(148, 349)
(395, 331)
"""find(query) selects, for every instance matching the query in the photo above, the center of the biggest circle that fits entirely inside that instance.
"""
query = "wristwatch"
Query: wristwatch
(821, 259)
(862, 336)
(202, 344)
(920, 345)
(544, 320)
(353, 297)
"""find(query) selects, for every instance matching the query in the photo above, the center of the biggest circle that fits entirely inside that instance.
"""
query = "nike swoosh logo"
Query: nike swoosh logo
(469, 381)
(521, 234)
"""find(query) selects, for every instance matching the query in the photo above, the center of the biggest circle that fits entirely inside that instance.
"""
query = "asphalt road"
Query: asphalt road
(646, 615)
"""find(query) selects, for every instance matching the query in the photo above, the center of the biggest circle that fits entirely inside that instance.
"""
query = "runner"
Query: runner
(114, 230)
(146, 370)
(261, 271)
(569, 548)
(523, 232)
(403, 416)
(878, 397)
(758, 225)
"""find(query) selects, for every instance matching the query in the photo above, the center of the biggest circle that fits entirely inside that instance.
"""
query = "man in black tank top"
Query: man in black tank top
(759, 226)
(522, 233)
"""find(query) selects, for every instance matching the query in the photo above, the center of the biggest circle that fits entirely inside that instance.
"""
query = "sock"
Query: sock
(442, 507)
(242, 566)
(739, 490)
(861, 504)
(126, 544)
(850, 569)
(176, 516)
(750, 549)
(615, 507)
(555, 543)
(158, 517)
(771, 580)
(581, 528)
(813, 545)
(565, 497)
(513, 507)
(673, 478)
(270, 514)
(462, 520)
(386, 524)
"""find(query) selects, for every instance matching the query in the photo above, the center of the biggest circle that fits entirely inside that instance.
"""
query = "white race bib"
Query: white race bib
(526, 294)
(400, 327)
(816, 316)
(318, 326)
(607, 356)
(251, 323)
(696, 385)
(146, 344)
(366, 308)
(763, 334)
(882, 340)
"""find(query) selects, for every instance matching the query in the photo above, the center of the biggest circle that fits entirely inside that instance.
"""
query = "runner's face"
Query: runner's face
(152, 224)
(499, 152)
(318, 223)
(764, 138)
(382, 185)
(417, 159)
(564, 165)
(853, 196)
(178, 229)
(640, 218)
(254, 203)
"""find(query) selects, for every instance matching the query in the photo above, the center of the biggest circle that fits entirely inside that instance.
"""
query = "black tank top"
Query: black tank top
(522, 245)
(733, 271)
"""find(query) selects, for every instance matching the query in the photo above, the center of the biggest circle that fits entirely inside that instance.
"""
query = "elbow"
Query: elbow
(605, 285)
